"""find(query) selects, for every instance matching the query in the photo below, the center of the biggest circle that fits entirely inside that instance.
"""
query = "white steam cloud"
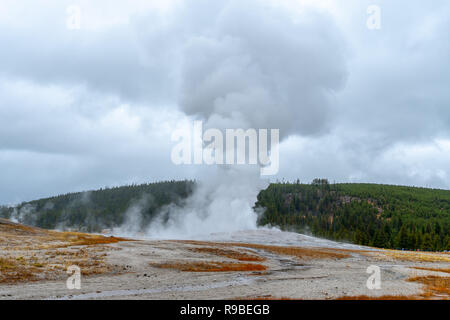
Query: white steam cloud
(133, 224)
(244, 64)
(252, 64)
(222, 203)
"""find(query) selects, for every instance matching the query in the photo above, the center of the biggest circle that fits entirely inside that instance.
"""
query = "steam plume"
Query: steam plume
(244, 64)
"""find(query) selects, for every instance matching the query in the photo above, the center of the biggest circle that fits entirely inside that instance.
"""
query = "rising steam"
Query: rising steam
(222, 203)
(243, 64)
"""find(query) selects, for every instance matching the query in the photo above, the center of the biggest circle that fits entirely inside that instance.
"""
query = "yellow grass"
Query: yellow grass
(414, 256)
(302, 253)
(433, 269)
(434, 286)
(299, 252)
(6, 264)
(12, 271)
(232, 254)
(30, 254)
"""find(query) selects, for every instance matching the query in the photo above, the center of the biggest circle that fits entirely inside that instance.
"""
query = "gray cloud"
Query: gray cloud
(239, 72)
(94, 107)
(397, 90)
(108, 60)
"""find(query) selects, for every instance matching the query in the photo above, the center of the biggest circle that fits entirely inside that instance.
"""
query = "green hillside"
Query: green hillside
(93, 211)
(369, 214)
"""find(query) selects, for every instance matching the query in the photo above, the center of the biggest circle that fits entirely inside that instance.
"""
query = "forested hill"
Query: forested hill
(93, 211)
(369, 214)
(376, 215)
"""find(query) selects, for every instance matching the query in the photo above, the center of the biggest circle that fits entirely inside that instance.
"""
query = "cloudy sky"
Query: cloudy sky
(93, 102)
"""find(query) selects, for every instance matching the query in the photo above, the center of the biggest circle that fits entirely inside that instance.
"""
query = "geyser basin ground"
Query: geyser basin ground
(265, 264)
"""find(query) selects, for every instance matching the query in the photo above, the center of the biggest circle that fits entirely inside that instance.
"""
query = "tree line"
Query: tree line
(382, 216)
(92, 211)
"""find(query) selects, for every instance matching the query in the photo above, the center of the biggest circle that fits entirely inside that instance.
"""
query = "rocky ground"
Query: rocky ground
(261, 264)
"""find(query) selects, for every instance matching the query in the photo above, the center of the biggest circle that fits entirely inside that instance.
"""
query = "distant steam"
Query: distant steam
(134, 224)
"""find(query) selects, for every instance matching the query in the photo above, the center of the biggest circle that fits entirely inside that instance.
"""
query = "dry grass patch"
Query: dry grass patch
(13, 270)
(232, 254)
(6, 265)
(413, 256)
(299, 252)
(83, 239)
(36, 265)
(15, 236)
(31, 254)
(433, 269)
(202, 266)
(434, 286)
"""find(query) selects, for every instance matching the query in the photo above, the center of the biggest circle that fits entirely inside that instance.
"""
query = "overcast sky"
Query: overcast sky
(94, 106)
